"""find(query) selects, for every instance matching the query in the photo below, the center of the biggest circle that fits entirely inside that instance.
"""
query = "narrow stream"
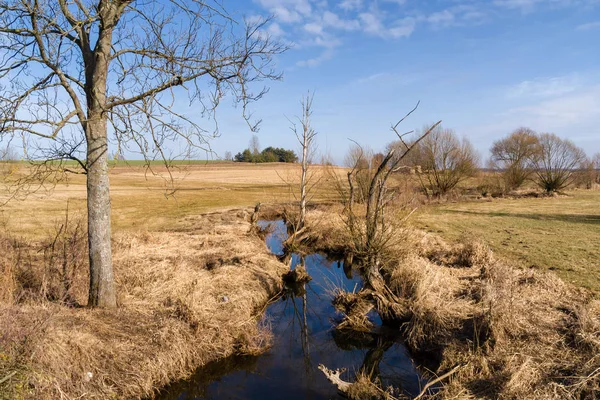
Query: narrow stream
(304, 337)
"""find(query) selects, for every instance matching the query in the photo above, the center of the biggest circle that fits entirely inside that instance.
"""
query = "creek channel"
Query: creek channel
(303, 325)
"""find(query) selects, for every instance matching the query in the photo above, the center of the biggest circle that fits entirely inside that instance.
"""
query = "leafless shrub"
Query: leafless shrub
(446, 160)
(514, 155)
(555, 162)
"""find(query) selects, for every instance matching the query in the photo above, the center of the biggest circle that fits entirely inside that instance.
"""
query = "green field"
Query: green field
(561, 234)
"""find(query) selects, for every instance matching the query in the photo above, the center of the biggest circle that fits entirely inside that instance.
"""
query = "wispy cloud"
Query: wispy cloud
(350, 5)
(327, 24)
(589, 26)
(574, 109)
(313, 62)
(545, 87)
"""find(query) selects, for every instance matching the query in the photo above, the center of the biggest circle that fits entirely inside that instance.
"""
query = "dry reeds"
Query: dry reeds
(505, 332)
(174, 315)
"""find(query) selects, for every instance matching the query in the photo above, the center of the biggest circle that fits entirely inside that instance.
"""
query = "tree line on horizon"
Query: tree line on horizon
(441, 160)
(253, 154)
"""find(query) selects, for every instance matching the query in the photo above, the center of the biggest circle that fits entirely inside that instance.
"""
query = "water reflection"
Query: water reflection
(303, 323)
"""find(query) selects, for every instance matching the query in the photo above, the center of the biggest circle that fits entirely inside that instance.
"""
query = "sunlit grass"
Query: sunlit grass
(557, 233)
(143, 199)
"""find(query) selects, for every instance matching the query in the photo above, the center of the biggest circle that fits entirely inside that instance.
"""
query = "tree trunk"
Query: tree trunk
(303, 181)
(102, 287)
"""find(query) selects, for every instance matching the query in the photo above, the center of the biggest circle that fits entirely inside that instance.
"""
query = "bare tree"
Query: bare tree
(77, 70)
(371, 240)
(445, 159)
(360, 159)
(254, 145)
(228, 156)
(556, 161)
(305, 134)
(514, 156)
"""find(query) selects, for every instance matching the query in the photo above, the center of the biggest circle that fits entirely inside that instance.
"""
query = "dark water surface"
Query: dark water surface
(304, 337)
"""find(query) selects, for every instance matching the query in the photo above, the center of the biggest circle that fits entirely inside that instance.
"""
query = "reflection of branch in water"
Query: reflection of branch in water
(370, 366)
(296, 291)
(305, 344)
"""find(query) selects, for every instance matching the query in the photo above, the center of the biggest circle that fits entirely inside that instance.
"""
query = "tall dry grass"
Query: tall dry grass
(503, 332)
(186, 297)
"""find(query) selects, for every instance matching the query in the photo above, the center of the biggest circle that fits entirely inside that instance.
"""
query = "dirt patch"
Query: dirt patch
(185, 298)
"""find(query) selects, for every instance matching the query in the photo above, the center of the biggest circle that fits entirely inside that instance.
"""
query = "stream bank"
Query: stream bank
(303, 323)
(187, 296)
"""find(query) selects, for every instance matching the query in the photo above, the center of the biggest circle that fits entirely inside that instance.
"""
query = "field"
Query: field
(143, 199)
(189, 266)
(553, 233)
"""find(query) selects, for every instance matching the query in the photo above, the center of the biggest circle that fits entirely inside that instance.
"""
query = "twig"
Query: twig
(436, 380)
(7, 377)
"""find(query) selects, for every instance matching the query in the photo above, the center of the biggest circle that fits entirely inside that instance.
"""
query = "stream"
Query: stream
(303, 323)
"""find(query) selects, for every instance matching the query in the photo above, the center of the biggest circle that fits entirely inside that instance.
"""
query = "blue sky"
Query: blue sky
(483, 67)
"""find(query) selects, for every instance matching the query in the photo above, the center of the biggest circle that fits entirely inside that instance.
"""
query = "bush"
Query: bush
(556, 161)
(514, 155)
(446, 160)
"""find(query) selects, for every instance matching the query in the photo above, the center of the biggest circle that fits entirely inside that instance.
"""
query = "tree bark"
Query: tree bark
(102, 287)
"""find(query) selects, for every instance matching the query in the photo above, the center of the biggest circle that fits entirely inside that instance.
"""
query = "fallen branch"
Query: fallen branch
(334, 377)
(437, 380)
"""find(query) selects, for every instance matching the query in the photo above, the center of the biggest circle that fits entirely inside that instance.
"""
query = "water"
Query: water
(304, 336)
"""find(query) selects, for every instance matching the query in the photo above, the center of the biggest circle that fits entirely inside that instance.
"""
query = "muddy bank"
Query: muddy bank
(490, 329)
(186, 297)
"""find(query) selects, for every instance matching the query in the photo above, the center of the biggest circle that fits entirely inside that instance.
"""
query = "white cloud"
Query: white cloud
(523, 4)
(580, 108)
(285, 15)
(333, 20)
(350, 5)
(373, 24)
(589, 26)
(287, 10)
(313, 62)
(398, 2)
(314, 28)
(275, 30)
(441, 19)
(402, 28)
(545, 87)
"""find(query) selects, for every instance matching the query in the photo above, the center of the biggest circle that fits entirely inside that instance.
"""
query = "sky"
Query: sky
(485, 68)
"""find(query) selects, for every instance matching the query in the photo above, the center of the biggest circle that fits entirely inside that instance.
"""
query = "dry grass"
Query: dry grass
(513, 333)
(139, 200)
(186, 297)
(551, 233)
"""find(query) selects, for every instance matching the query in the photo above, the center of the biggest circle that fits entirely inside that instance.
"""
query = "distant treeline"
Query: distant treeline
(270, 154)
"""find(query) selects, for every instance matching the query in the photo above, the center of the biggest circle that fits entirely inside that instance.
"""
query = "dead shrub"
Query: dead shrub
(354, 308)
(364, 389)
(435, 309)
(472, 251)
(586, 326)
(255, 340)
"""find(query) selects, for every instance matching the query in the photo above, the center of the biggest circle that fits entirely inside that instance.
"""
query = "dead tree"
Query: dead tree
(112, 70)
(305, 134)
(374, 236)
